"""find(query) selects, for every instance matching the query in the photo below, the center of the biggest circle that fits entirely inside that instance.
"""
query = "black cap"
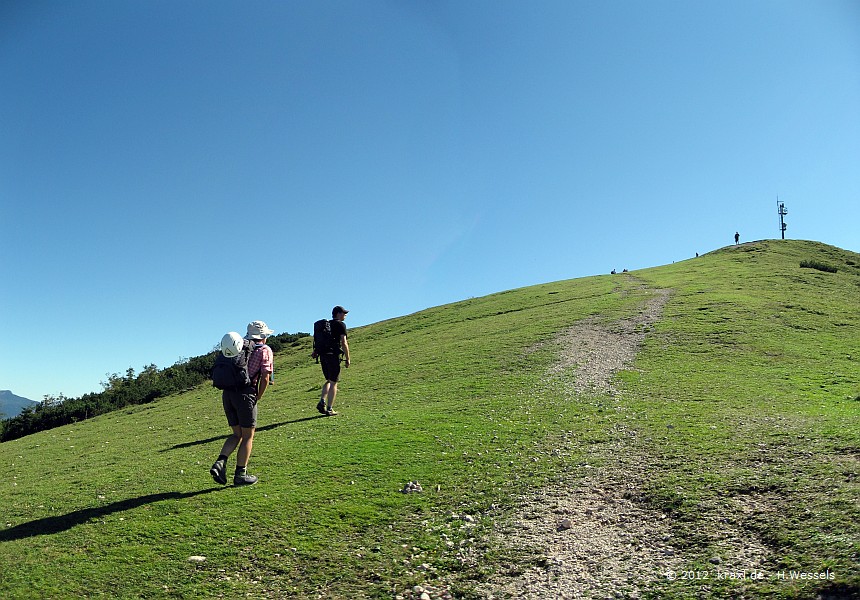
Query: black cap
(338, 309)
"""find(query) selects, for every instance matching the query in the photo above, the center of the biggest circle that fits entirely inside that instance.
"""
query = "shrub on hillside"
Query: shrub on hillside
(814, 264)
(281, 341)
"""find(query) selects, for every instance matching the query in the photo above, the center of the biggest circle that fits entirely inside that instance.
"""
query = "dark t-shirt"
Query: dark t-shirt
(338, 328)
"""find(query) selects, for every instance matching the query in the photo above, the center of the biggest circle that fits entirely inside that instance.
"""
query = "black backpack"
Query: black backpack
(231, 373)
(324, 342)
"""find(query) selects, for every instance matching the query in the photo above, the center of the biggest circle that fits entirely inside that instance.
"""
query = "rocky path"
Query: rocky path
(593, 538)
(591, 534)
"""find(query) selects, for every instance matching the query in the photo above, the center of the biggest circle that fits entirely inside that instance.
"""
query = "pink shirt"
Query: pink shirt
(261, 360)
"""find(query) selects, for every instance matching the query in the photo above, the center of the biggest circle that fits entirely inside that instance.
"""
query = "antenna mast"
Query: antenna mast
(780, 208)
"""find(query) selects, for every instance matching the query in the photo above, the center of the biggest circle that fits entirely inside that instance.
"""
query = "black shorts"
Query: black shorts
(330, 364)
(240, 408)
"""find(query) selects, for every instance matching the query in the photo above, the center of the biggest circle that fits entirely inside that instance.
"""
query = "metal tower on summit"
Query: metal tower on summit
(780, 208)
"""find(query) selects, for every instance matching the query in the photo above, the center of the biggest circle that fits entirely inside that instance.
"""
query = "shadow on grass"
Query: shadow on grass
(221, 438)
(51, 525)
(839, 591)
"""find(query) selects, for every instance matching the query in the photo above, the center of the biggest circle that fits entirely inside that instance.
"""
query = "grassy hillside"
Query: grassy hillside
(743, 408)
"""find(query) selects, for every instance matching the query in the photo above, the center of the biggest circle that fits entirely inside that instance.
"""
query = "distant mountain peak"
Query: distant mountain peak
(11, 405)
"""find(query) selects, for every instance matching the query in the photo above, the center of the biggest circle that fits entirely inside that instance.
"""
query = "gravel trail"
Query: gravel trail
(592, 537)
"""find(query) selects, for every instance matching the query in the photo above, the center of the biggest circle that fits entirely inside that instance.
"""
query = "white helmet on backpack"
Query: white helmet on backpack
(231, 344)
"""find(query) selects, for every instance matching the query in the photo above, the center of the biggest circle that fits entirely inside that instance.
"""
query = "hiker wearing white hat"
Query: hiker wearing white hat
(261, 364)
(240, 406)
(258, 330)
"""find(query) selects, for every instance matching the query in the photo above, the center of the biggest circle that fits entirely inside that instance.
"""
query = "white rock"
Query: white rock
(412, 487)
(197, 559)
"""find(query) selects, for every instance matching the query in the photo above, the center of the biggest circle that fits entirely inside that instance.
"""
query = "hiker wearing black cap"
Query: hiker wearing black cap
(330, 361)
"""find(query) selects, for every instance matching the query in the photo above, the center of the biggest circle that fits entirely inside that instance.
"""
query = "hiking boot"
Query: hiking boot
(321, 407)
(219, 472)
(244, 479)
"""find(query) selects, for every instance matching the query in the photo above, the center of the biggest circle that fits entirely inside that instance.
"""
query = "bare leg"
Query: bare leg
(245, 446)
(332, 392)
(231, 442)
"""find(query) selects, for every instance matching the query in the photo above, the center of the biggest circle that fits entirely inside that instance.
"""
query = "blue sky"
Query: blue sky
(170, 171)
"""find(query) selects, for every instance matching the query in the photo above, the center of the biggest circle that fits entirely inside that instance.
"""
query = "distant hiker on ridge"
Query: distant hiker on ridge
(240, 405)
(737, 237)
(329, 344)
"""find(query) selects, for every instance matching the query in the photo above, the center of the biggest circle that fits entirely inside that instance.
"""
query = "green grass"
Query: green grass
(744, 396)
(756, 367)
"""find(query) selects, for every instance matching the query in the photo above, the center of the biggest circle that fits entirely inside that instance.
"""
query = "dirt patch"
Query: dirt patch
(596, 541)
(591, 353)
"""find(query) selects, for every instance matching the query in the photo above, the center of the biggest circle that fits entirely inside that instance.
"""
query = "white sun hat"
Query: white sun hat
(257, 330)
